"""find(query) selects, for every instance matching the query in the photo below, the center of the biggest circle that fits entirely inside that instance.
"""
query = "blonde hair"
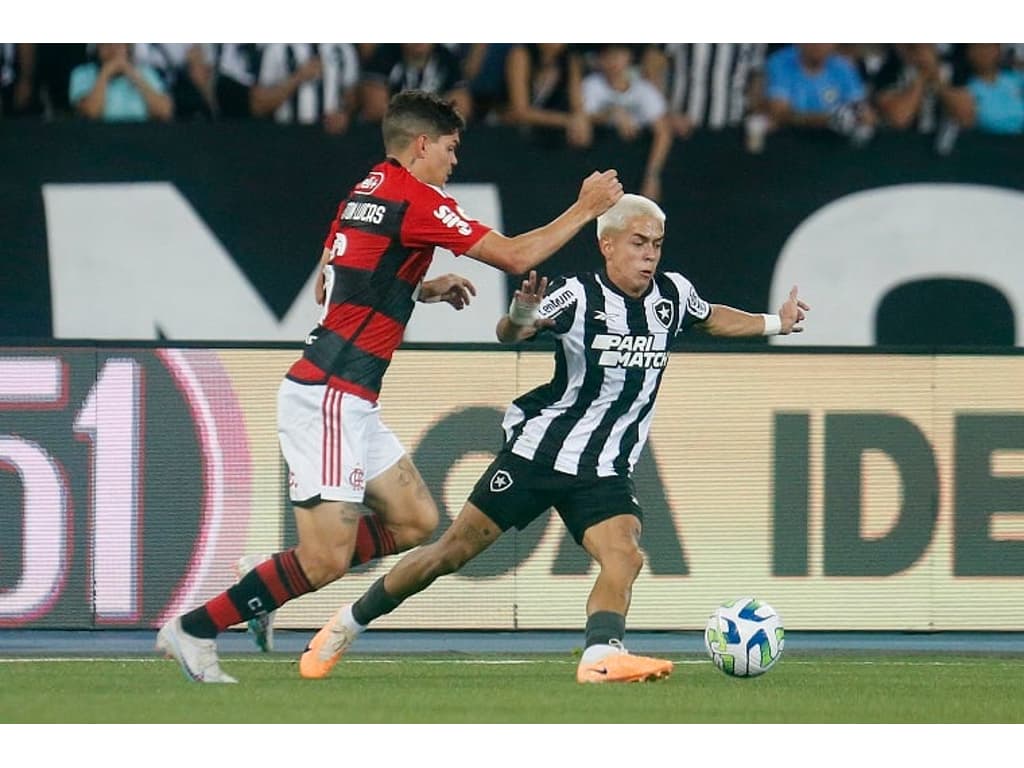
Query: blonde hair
(629, 205)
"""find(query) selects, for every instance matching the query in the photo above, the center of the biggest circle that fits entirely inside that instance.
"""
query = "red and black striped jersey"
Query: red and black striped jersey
(381, 242)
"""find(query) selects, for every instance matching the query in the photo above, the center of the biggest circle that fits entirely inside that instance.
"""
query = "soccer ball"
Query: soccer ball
(744, 637)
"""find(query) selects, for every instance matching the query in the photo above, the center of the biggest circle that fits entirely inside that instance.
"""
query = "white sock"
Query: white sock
(349, 621)
(597, 652)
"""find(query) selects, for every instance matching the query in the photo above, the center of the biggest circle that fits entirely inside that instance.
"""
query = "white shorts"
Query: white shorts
(334, 442)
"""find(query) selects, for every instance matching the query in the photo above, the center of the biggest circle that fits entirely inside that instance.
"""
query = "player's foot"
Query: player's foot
(621, 666)
(261, 627)
(326, 648)
(197, 657)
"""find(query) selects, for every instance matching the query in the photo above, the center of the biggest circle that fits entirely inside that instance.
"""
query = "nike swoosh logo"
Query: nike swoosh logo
(600, 670)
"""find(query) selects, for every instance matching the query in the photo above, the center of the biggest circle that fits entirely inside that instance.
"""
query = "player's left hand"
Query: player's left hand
(532, 291)
(320, 288)
(454, 289)
(792, 313)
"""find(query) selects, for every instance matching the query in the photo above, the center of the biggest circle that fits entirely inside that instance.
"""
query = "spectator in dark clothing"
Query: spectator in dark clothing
(237, 70)
(545, 93)
(908, 86)
(484, 67)
(426, 67)
(54, 63)
(187, 70)
(18, 92)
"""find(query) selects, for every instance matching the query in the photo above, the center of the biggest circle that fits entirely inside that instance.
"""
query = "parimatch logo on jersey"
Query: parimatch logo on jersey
(630, 351)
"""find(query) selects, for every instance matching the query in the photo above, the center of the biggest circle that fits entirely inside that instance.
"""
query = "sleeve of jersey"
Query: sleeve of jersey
(692, 308)
(559, 304)
(437, 220)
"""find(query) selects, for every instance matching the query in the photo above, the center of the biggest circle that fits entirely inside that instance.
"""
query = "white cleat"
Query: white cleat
(197, 657)
(261, 627)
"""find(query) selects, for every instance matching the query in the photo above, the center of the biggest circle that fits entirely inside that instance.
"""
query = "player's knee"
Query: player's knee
(635, 559)
(625, 559)
(322, 563)
(424, 523)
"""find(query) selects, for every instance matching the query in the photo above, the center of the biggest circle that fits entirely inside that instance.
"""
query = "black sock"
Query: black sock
(375, 602)
(603, 626)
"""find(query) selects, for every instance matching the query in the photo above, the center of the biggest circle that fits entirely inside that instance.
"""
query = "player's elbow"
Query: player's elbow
(509, 254)
(506, 332)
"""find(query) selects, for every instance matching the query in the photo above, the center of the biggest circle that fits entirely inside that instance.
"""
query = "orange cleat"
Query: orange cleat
(623, 667)
(324, 650)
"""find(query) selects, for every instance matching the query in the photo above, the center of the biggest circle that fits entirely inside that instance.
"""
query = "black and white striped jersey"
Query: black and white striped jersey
(709, 81)
(313, 98)
(240, 66)
(594, 416)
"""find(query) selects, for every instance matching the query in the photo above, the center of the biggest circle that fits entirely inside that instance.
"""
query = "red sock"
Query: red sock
(373, 540)
(265, 588)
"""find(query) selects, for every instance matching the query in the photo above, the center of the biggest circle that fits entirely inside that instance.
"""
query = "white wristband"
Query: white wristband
(521, 314)
(772, 325)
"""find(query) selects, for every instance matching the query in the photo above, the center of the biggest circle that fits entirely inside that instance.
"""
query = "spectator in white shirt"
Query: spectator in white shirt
(617, 96)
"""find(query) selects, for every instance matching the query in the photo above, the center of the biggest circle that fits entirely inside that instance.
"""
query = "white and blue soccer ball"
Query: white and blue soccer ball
(744, 637)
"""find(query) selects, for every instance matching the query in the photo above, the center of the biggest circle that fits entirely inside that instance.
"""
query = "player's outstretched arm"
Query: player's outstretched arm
(521, 321)
(517, 255)
(729, 321)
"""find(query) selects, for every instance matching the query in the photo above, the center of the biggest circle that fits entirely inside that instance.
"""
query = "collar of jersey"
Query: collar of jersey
(606, 281)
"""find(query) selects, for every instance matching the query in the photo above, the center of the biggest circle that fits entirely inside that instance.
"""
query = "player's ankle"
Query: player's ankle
(596, 652)
(349, 621)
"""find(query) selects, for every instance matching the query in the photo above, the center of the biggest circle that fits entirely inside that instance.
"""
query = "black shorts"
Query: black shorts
(514, 491)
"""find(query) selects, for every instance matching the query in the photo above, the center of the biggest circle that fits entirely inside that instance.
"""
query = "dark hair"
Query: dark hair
(412, 113)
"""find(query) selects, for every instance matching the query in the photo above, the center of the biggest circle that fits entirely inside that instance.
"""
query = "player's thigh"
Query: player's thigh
(400, 496)
(513, 492)
(591, 503)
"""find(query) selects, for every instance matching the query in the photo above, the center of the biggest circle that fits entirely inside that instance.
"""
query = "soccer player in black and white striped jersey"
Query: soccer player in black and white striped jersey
(572, 443)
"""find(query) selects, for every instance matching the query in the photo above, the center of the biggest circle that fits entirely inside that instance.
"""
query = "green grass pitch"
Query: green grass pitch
(525, 688)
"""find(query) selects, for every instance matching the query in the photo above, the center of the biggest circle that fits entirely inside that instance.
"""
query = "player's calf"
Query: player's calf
(260, 626)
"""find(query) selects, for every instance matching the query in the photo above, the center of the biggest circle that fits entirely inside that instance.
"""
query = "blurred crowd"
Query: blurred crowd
(558, 93)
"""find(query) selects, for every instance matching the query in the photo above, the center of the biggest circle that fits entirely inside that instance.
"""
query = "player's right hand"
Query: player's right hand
(600, 191)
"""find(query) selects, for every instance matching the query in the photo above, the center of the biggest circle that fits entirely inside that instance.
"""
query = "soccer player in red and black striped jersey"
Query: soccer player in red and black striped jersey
(356, 494)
